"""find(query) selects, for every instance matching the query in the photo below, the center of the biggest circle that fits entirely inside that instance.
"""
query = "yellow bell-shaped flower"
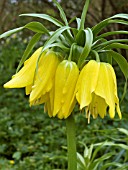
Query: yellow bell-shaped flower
(24, 78)
(65, 83)
(36, 76)
(44, 76)
(97, 89)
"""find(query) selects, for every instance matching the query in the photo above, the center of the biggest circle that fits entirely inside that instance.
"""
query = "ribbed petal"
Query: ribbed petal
(25, 76)
(86, 83)
(44, 75)
(115, 90)
(28, 89)
(98, 106)
(106, 87)
(65, 83)
(43, 99)
(60, 78)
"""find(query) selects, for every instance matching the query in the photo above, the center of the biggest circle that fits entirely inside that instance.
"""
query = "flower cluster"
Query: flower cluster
(59, 84)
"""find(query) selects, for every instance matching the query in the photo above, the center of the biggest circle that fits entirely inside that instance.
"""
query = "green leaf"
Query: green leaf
(104, 44)
(29, 48)
(10, 32)
(124, 91)
(111, 33)
(107, 165)
(77, 50)
(80, 38)
(122, 62)
(97, 161)
(37, 27)
(118, 22)
(80, 161)
(116, 45)
(97, 28)
(112, 144)
(54, 36)
(17, 155)
(62, 14)
(78, 20)
(46, 17)
(83, 16)
(87, 47)
(125, 131)
(124, 16)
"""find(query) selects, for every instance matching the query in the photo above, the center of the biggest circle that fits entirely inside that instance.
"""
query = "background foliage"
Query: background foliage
(29, 139)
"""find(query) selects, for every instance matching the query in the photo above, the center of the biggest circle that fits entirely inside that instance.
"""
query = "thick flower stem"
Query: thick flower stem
(71, 142)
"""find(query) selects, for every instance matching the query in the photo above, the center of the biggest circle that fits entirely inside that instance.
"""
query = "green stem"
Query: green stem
(71, 142)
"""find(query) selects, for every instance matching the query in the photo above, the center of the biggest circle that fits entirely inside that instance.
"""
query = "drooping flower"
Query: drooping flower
(24, 78)
(36, 76)
(44, 76)
(96, 90)
(65, 83)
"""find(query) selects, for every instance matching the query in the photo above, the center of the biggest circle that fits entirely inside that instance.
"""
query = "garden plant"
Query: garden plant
(73, 71)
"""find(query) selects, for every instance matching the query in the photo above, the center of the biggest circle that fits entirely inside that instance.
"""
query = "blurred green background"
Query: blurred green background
(29, 139)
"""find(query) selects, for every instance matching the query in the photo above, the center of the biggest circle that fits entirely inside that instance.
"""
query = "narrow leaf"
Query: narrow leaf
(87, 47)
(29, 48)
(113, 21)
(116, 45)
(107, 165)
(10, 32)
(111, 33)
(37, 27)
(124, 16)
(54, 36)
(104, 44)
(125, 131)
(83, 16)
(122, 62)
(46, 17)
(62, 14)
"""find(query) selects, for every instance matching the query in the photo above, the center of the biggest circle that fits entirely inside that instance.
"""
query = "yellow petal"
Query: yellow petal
(28, 89)
(106, 87)
(44, 75)
(60, 78)
(25, 76)
(43, 99)
(86, 83)
(65, 83)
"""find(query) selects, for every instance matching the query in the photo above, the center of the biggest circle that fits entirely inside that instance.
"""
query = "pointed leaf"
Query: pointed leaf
(29, 48)
(87, 47)
(124, 16)
(104, 44)
(10, 32)
(46, 17)
(117, 45)
(37, 27)
(122, 62)
(83, 16)
(111, 33)
(107, 165)
(125, 131)
(62, 14)
(54, 36)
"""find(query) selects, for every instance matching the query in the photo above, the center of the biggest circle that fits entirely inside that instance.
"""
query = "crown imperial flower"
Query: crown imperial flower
(65, 82)
(97, 89)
